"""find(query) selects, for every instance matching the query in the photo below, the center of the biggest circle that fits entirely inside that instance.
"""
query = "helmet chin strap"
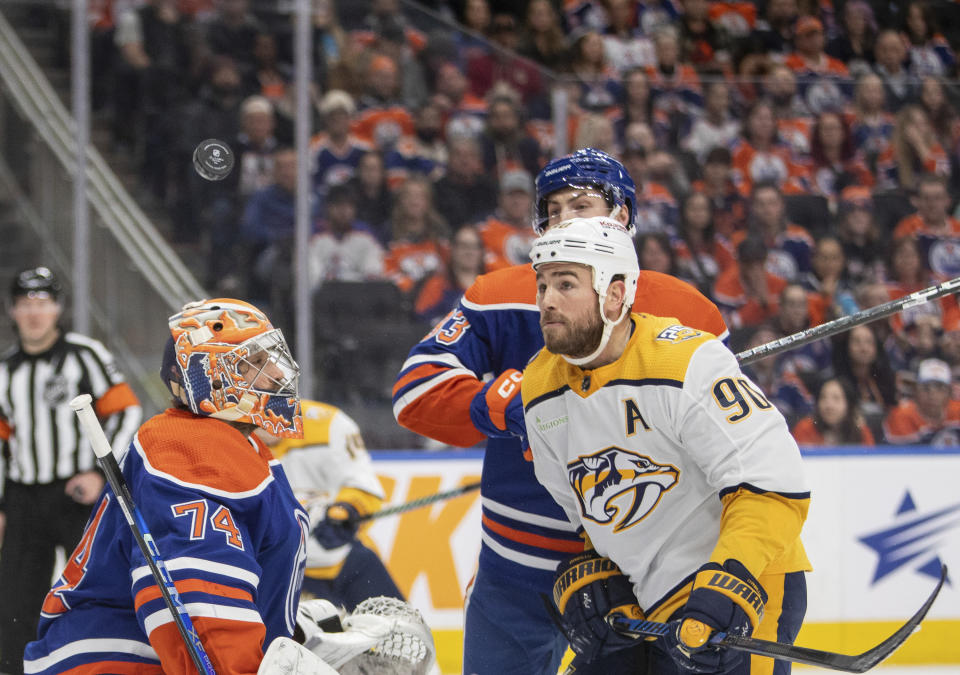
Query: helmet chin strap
(608, 325)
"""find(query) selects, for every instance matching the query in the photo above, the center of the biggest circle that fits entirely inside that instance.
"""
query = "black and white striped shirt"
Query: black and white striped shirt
(40, 435)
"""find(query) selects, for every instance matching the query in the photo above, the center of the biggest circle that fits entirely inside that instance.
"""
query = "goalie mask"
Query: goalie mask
(224, 359)
(594, 172)
(603, 245)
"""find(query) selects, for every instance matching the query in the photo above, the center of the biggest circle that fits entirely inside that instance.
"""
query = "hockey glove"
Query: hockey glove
(725, 598)
(587, 588)
(497, 409)
(339, 525)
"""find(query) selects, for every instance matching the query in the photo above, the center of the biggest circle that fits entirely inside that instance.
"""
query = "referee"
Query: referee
(48, 474)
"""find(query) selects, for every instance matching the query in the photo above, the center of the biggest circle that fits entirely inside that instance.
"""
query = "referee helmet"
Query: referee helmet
(36, 282)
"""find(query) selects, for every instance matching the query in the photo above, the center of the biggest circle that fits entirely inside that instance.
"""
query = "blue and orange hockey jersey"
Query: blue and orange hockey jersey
(232, 535)
(495, 328)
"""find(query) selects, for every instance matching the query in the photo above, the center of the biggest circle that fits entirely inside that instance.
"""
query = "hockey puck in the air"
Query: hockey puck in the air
(213, 159)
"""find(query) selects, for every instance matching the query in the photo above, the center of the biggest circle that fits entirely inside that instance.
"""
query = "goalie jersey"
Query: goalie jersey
(233, 537)
(495, 328)
(656, 453)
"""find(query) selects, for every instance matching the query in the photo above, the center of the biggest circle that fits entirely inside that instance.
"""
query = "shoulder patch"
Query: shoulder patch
(677, 333)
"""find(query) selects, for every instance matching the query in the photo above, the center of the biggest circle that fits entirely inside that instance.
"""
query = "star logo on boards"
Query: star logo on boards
(912, 540)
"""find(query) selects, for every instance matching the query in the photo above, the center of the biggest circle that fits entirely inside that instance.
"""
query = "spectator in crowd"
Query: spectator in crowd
(442, 290)
(475, 17)
(788, 245)
(656, 206)
(506, 233)
(398, 44)
(872, 125)
(343, 248)
(914, 150)
(596, 131)
(336, 152)
(859, 357)
(854, 45)
(796, 313)
(331, 49)
(715, 126)
(746, 293)
(830, 290)
(890, 55)
(423, 153)
(759, 155)
(463, 111)
(933, 417)
(835, 163)
(729, 205)
(624, 43)
(637, 107)
(254, 147)
(599, 86)
(543, 39)
(466, 192)
(266, 228)
(783, 387)
(703, 43)
(835, 420)
(823, 80)
(232, 32)
(502, 65)
(941, 113)
(375, 201)
(700, 252)
(789, 109)
(918, 340)
(418, 244)
(269, 77)
(655, 253)
(937, 232)
(674, 85)
(382, 118)
(504, 142)
(929, 53)
(859, 236)
(908, 274)
(775, 31)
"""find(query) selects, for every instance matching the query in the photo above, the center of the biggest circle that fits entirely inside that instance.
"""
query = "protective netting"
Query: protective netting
(407, 650)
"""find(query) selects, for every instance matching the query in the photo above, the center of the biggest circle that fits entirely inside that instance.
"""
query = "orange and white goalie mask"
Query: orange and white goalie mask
(225, 359)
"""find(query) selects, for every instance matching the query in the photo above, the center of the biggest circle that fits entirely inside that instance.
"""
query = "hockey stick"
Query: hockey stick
(101, 447)
(920, 297)
(850, 663)
(422, 501)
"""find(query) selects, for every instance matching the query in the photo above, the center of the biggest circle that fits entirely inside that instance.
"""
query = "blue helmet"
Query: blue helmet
(588, 167)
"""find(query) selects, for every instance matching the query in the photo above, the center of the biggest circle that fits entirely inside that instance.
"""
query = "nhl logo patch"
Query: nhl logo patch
(55, 390)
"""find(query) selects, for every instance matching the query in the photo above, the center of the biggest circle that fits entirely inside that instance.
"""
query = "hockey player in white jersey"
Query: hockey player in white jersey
(680, 472)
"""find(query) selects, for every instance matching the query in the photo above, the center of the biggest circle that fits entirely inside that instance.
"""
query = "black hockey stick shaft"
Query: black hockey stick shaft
(422, 501)
(101, 447)
(868, 315)
(850, 663)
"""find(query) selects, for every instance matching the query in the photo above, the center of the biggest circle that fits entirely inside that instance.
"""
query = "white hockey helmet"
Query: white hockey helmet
(606, 247)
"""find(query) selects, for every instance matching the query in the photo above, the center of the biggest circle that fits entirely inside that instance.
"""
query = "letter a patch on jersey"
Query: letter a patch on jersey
(618, 486)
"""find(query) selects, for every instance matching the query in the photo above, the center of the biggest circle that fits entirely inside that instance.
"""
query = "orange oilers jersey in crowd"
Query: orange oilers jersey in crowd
(232, 535)
(805, 432)
(905, 424)
(940, 251)
(377, 124)
(775, 165)
(947, 308)
(494, 329)
(738, 18)
(657, 208)
(503, 244)
(888, 172)
(408, 262)
(738, 308)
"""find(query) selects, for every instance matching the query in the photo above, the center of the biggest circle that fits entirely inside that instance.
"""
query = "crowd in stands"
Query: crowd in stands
(795, 160)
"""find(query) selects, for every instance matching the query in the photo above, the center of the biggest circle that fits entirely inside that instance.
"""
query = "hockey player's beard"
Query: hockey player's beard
(579, 337)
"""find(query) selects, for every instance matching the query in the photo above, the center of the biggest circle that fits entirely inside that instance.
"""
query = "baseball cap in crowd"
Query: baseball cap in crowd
(516, 179)
(809, 24)
(36, 282)
(856, 196)
(933, 370)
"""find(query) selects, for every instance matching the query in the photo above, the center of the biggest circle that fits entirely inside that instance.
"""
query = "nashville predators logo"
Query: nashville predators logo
(618, 486)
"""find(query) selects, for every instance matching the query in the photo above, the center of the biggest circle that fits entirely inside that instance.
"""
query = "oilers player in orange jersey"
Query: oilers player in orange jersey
(461, 385)
(217, 503)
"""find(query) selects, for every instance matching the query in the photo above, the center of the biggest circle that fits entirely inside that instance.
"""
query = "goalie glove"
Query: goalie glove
(286, 657)
(497, 409)
(339, 525)
(725, 598)
(587, 588)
